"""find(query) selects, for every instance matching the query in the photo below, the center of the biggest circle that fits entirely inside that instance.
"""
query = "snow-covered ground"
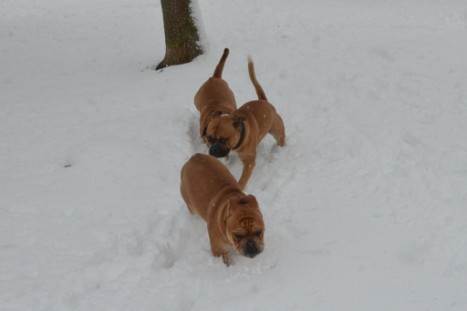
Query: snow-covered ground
(365, 208)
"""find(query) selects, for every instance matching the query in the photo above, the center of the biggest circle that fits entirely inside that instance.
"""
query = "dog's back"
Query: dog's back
(214, 95)
(204, 179)
(215, 92)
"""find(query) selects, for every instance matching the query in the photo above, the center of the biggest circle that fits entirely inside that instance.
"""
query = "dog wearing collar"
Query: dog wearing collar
(233, 218)
(243, 129)
(214, 97)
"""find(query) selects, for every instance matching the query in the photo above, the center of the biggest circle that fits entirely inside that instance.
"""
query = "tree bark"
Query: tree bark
(181, 35)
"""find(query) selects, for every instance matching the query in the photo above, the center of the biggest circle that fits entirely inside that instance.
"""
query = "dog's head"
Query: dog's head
(224, 133)
(245, 226)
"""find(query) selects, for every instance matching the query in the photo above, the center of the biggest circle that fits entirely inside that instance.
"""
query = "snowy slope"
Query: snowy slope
(365, 208)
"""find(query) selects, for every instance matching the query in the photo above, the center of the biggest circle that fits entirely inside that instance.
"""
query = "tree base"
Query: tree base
(179, 55)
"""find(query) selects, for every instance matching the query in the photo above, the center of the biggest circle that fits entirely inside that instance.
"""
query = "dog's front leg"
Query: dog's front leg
(217, 247)
(226, 259)
(217, 252)
(249, 163)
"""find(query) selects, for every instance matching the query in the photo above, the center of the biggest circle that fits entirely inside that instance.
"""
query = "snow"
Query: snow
(365, 206)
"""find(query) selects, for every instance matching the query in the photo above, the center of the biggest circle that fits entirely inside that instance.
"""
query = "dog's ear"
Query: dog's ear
(252, 199)
(238, 121)
(227, 211)
(249, 199)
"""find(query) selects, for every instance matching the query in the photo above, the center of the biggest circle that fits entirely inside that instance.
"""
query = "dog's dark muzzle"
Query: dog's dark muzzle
(218, 151)
(251, 249)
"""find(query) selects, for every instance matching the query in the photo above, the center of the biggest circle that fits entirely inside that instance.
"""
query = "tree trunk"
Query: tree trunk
(181, 34)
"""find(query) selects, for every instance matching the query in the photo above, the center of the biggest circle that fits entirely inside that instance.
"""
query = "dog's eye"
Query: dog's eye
(210, 139)
(238, 236)
(258, 233)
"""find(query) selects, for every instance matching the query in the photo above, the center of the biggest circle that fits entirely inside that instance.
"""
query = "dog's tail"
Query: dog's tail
(220, 67)
(258, 88)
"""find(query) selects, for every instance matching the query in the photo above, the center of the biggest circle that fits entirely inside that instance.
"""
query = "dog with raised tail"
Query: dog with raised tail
(243, 129)
(214, 97)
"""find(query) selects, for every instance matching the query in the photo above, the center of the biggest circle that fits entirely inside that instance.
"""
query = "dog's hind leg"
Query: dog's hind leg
(278, 130)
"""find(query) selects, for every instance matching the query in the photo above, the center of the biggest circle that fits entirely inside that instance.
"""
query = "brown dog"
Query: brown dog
(244, 129)
(234, 219)
(214, 97)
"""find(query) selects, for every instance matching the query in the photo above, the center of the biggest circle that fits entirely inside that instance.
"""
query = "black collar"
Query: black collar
(242, 135)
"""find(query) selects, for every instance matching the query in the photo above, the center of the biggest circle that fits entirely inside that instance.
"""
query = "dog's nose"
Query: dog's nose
(217, 151)
(251, 249)
(214, 150)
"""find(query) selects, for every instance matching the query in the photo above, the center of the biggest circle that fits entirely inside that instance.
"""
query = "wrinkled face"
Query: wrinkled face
(245, 226)
(222, 135)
